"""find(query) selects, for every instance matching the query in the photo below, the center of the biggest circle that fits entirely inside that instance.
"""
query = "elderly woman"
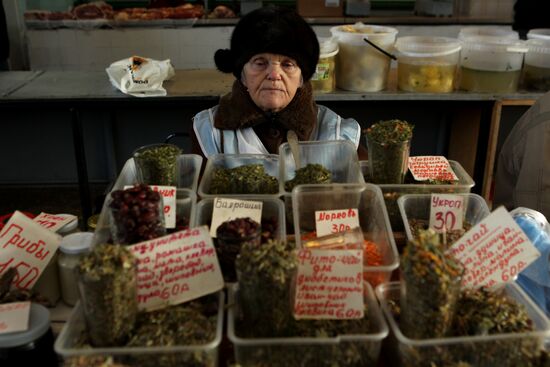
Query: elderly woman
(273, 55)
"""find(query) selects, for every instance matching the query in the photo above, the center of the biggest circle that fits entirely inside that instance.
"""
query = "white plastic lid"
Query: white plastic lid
(69, 227)
(539, 33)
(328, 46)
(427, 46)
(39, 323)
(493, 44)
(76, 243)
(538, 45)
(498, 32)
(354, 33)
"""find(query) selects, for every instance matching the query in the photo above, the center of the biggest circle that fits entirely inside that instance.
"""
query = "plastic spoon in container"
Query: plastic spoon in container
(292, 140)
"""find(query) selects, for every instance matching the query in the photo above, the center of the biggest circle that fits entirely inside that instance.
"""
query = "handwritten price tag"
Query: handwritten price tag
(494, 251)
(446, 212)
(14, 317)
(334, 221)
(168, 194)
(431, 167)
(329, 284)
(176, 268)
(53, 222)
(28, 247)
(229, 209)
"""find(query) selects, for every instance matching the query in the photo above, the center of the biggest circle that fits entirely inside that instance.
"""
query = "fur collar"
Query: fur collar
(238, 111)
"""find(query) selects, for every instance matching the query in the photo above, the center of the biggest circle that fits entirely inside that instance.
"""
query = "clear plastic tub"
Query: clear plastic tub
(491, 64)
(270, 163)
(539, 33)
(472, 351)
(271, 208)
(418, 207)
(373, 219)
(427, 64)
(324, 79)
(308, 352)
(187, 170)
(491, 31)
(66, 346)
(186, 201)
(536, 69)
(338, 156)
(359, 66)
(393, 192)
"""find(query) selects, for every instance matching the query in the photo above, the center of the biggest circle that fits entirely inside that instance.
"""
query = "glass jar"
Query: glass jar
(324, 79)
(157, 164)
(71, 250)
(27, 348)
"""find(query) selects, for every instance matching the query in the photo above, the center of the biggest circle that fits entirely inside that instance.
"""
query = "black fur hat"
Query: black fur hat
(273, 30)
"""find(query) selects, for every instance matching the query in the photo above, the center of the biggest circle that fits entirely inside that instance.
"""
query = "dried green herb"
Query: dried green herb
(448, 238)
(246, 179)
(108, 292)
(388, 143)
(157, 164)
(430, 288)
(312, 173)
(265, 274)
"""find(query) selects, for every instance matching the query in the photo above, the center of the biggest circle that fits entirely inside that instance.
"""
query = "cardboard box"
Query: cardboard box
(320, 8)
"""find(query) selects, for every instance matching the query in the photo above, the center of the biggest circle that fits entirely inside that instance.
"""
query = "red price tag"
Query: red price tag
(446, 212)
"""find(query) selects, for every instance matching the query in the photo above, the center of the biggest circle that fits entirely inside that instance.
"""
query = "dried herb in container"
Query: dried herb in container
(157, 164)
(449, 237)
(246, 179)
(312, 173)
(430, 287)
(388, 144)
(230, 237)
(136, 215)
(265, 274)
(108, 293)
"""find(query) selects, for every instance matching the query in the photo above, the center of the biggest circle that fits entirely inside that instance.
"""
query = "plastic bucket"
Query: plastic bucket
(498, 32)
(427, 64)
(539, 33)
(536, 69)
(359, 66)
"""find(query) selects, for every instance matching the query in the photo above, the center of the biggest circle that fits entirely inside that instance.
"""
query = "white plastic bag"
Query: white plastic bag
(140, 76)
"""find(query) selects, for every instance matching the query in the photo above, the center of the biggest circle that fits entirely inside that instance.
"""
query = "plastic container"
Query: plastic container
(186, 201)
(324, 79)
(66, 345)
(373, 219)
(539, 33)
(452, 351)
(491, 31)
(157, 164)
(338, 156)
(427, 64)
(307, 352)
(536, 68)
(418, 207)
(490, 64)
(187, 170)
(393, 192)
(270, 163)
(33, 346)
(359, 66)
(71, 248)
(68, 228)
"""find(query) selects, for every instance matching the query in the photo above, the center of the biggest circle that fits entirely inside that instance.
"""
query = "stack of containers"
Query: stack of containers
(536, 70)
(427, 64)
(491, 60)
(359, 66)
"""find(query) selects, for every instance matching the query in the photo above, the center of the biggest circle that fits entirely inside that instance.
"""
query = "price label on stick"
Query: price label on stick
(229, 209)
(334, 221)
(14, 317)
(446, 212)
(176, 268)
(494, 251)
(431, 167)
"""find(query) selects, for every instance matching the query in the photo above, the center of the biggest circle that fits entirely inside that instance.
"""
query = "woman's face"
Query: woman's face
(271, 80)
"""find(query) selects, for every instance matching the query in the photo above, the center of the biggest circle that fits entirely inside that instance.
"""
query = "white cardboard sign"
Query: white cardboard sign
(28, 247)
(168, 194)
(446, 212)
(229, 209)
(334, 221)
(176, 268)
(14, 317)
(329, 284)
(53, 222)
(494, 251)
(431, 167)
